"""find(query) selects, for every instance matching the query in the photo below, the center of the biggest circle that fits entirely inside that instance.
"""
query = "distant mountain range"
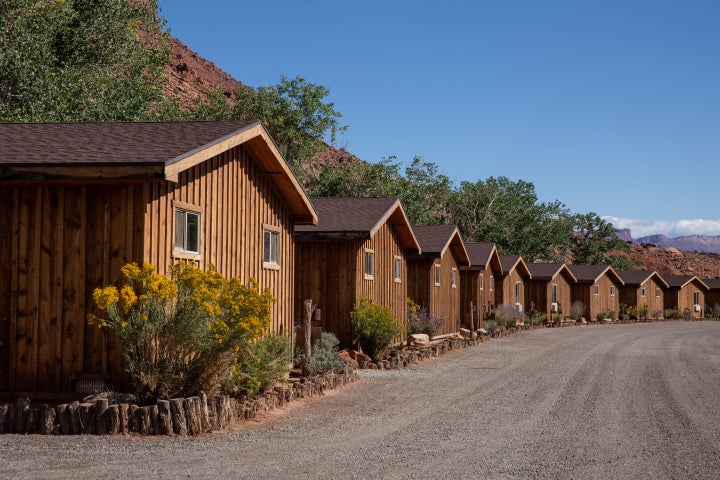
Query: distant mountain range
(689, 243)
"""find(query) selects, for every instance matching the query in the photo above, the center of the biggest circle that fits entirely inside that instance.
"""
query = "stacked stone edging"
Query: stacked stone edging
(178, 416)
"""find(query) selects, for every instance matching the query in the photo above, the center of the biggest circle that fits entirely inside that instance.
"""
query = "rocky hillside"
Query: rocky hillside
(192, 76)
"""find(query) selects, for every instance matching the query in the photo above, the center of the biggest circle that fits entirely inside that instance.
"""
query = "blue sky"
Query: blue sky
(610, 106)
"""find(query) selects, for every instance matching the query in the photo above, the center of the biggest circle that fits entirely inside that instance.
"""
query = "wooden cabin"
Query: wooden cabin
(598, 287)
(357, 249)
(510, 287)
(433, 275)
(549, 289)
(477, 281)
(643, 287)
(712, 296)
(686, 292)
(83, 199)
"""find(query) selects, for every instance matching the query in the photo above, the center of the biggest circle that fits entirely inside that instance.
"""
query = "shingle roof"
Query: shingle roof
(109, 143)
(434, 239)
(479, 253)
(638, 277)
(545, 271)
(356, 217)
(590, 273)
(712, 283)
(679, 281)
(510, 262)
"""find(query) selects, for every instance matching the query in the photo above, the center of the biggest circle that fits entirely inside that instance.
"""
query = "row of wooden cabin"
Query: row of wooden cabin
(80, 200)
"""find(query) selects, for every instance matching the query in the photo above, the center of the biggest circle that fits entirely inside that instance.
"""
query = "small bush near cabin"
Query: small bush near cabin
(419, 320)
(491, 326)
(324, 359)
(577, 308)
(374, 327)
(508, 315)
(656, 314)
(259, 365)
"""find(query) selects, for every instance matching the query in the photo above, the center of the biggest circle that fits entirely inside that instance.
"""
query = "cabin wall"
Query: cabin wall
(631, 295)
(383, 289)
(712, 298)
(683, 299)
(236, 200)
(59, 243)
(505, 294)
(441, 300)
(326, 272)
(601, 302)
(540, 292)
(480, 292)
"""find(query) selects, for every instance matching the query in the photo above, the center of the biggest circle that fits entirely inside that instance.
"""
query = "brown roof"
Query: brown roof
(357, 218)
(105, 143)
(712, 283)
(511, 262)
(548, 271)
(679, 281)
(590, 273)
(482, 255)
(638, 277)
(94, 151)
(435, 239)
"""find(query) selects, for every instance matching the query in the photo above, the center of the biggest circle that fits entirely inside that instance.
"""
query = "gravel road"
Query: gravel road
(619, 401)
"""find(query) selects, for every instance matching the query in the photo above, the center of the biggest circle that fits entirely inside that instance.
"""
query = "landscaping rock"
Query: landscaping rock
(419, 338)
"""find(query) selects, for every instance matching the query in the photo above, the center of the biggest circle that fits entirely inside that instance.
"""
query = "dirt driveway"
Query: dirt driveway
(626, 401)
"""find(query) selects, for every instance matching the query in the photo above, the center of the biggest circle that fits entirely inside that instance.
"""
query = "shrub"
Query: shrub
(508, 315)
(577, 308)
(324, 359)
(259, 365)
(611, 314)
(419, 320)
(539, 319)
(642, 311)
(374, 327)
(491, 326)
(656, 314)
(686, 314)
(714, 312)
(181, 336)
(671, 313)
(631, 311)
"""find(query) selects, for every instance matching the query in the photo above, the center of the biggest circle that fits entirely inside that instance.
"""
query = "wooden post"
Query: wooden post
(472, 317)
(309, 307)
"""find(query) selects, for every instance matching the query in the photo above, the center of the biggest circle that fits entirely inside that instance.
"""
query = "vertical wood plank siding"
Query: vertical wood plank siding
(236, 199)
(595, 304)
(540, 292)
(505, 294)
(443, 300)
(59, 242)
(332, 275)
(682, 298)
(631, 295)
(64, 241)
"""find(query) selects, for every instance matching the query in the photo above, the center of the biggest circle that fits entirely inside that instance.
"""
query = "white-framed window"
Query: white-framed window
(612, 291)
(369, 264)
(517, 292)
(454, 278)
(437, 275)
(271, 246)
(596, 290)
(696, 298)
(642, 292)
(397, 269)
(657, 293)
(492, 283)
(482, 281)
(187, 229)
(553, 294)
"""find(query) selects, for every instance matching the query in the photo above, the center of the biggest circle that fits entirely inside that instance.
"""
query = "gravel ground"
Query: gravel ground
(625, 401)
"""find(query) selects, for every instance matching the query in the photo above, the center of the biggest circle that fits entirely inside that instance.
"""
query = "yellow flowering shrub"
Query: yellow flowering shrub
(181, 335)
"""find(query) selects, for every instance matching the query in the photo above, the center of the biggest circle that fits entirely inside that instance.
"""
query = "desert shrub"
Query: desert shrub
(713, 312)
(539, 319)
(181, 336)
(324, 359)
(656, 314)
(374, 327)
(631, 311)
(671, 313)
(419, 320)
(576, 309)
(611, 314)
(259, 365)
(642, 311)
(686, 314)
(491, 326)
(508, 315)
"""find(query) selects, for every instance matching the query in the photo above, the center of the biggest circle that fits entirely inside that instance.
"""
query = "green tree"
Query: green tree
(595, 241)
(80, 60)
(508, 214)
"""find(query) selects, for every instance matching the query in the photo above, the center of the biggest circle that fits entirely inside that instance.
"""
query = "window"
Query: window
(553, 294)
(642, 292)
(454, 278)
(437, 275)
(517, 292)
(492, 283)
(369, 264)
(187, 231)
(271, 246)
(612, 291)
(596, 290)
(696, 298)
(482, 281)
(657, 292)
(397, 269)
